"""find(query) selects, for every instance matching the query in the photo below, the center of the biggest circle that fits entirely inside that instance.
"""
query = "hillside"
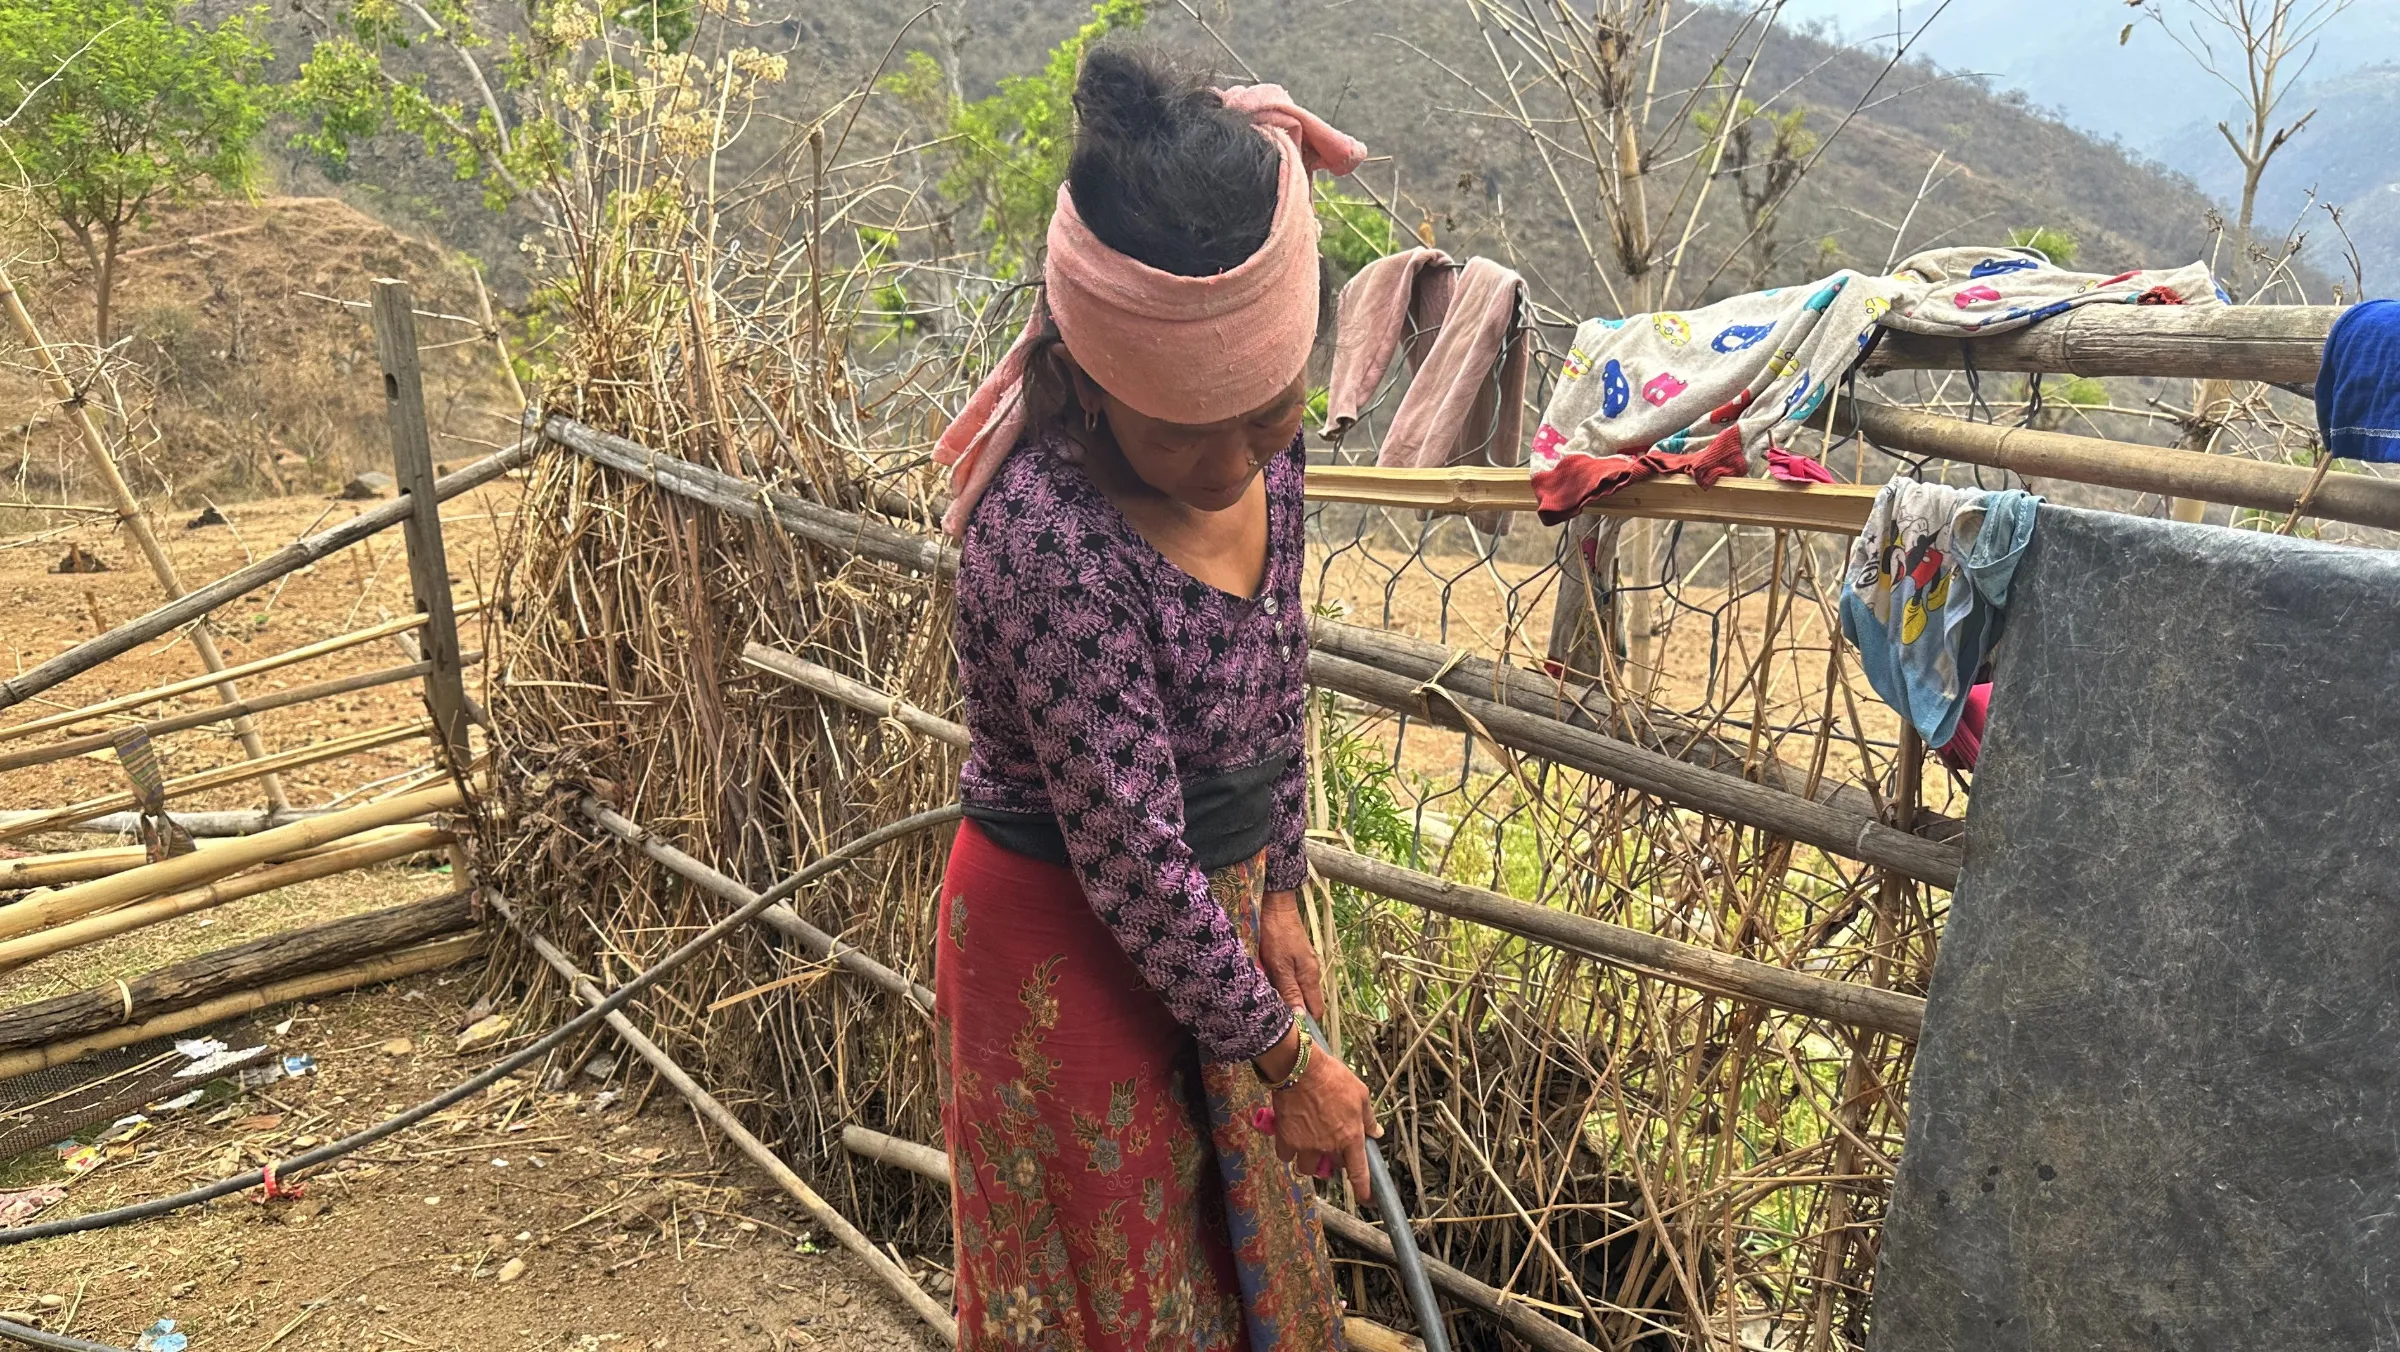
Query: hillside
(2343, 157)
(1380, 70)
(236, 383)
(2064, 55)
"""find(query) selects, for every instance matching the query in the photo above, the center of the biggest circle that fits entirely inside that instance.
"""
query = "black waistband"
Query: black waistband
(1227, 818)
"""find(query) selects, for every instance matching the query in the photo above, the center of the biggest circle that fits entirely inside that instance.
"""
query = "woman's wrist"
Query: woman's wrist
(1277, 1064)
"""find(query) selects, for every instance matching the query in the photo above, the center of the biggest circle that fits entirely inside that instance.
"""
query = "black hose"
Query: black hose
(33, 1337)
(475, 1085)
(1405, 1258)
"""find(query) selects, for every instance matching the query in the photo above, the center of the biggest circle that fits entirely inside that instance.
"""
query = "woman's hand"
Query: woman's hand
(1284, 951)
(1325, 1117)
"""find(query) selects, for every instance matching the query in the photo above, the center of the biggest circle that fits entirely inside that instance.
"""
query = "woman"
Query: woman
(1120, 948)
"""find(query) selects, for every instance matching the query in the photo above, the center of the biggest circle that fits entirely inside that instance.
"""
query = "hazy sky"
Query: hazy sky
(2065, 55)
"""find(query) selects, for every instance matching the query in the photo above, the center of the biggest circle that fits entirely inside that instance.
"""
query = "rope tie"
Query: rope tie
(273, 1190)
(125, 993)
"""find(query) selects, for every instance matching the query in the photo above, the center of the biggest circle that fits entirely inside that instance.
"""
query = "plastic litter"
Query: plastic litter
(122, 1130)
(259, 1077)
(161, 1337)
(213, 1059)
(25, 1203)
(179, 1102)
(297, 1066)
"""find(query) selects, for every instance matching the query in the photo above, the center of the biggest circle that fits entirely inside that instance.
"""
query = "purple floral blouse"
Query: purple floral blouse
(1099, 676)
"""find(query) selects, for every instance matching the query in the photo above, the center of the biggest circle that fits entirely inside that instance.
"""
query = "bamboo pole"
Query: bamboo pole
(1684, 964)
(295, 952)
(1835, 508)
(1584, 706)
(235, 822)
(1510, 1312)
(236, 773)
(291, 558)
(185, 870)
(388, 967)
(2278, 344)
(822, 1211)
(272, 662)
(779, 917)
(77, 866)
(1848, 834)
(2356, 498)
(1672, 959)
(857, 694)
(483, 308)
(135, 521)
(1858, 1078)
(276, 699)
(368, 848)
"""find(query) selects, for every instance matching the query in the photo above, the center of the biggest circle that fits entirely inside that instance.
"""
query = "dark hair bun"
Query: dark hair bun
(1162, 171)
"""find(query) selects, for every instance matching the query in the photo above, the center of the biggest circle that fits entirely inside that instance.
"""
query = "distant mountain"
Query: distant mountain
(2344, 158)
(1384, 71)
(2064, 55)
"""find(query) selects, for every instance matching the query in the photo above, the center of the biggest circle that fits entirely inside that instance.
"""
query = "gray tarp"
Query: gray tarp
(2157, 1100)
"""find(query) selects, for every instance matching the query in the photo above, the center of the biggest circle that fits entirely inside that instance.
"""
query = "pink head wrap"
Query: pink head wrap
(1180, 349)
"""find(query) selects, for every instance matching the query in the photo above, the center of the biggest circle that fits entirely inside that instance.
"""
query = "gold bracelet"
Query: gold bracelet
(1299, 1062)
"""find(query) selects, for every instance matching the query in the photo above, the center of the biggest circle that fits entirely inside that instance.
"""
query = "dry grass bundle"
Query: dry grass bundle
(615, 668)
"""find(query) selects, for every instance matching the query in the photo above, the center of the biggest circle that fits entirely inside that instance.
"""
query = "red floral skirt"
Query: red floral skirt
(1107, 1188)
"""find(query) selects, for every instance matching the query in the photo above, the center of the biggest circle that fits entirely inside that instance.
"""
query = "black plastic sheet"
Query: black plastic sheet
(2157, 1099)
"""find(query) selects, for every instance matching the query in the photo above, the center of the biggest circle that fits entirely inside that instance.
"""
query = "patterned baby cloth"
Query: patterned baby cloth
(1695, 392)
(1926, 591)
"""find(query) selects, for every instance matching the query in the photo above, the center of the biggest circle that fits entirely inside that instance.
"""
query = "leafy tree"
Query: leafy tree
(2056, 245)
(1009, 151)
(1012, 148)
(574, 66)
(121, 108)
(1764, 154)
(1356, 230)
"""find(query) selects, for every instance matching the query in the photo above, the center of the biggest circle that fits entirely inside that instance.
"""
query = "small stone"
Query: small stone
(181, 1289)
(77, 559)
(50, 1302)
(209, 516)
(372, 484)
(511, 1270)
(483, 1032)
(399, 1046)
(433, 1201)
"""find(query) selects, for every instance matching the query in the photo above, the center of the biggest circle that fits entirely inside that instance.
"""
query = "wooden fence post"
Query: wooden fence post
(395, 324)
(136, 522)
(1584, 617)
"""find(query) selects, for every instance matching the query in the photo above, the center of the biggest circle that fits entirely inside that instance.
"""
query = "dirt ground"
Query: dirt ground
(49, 613)
(632, 1230)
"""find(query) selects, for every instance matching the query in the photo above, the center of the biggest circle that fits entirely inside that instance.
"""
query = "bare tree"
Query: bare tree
(2250, 47)
(2257, 49)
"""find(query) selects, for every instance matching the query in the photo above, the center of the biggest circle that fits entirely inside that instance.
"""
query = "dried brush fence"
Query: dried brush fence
(1634, 960)
(190, 862)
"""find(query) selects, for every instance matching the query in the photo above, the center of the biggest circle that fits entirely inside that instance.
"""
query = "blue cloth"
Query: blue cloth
(2358, 386)
(1926, 592)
